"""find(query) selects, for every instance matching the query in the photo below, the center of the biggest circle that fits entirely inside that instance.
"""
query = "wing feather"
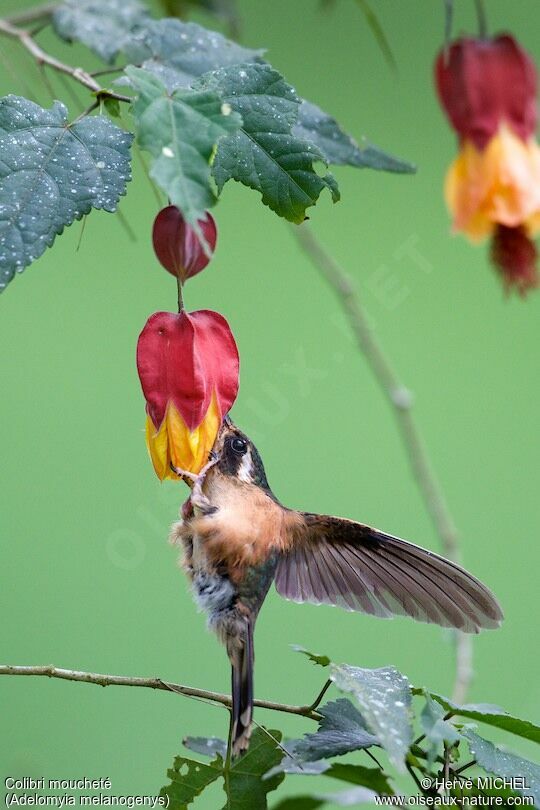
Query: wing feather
(339, 562)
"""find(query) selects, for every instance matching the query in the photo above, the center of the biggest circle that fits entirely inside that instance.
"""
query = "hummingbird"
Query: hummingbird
(237, 539)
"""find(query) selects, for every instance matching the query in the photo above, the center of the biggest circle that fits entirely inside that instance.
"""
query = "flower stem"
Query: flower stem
(180, 294)
(482, 19)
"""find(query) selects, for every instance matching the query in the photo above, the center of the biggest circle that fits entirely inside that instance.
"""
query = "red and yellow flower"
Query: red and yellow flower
(188, 367)
(488, 90)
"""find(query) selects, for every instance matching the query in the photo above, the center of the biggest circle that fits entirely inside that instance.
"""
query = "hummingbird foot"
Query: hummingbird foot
(197, 498)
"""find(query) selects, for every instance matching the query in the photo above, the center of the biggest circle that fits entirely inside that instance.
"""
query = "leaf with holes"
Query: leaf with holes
(384, 697)
(264, 154)
(244, 786)
(178, 52)
(52, 173)
(525, 774)
(188, 780)
(180, 130)
(340, 149)
(103, 25)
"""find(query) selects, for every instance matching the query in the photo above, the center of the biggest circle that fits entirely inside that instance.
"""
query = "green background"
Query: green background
(87, 578)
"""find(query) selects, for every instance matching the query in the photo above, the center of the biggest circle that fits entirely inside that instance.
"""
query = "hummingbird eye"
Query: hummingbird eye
(238, 445)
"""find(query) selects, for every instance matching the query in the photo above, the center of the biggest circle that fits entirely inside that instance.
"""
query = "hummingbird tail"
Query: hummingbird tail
(240, 650)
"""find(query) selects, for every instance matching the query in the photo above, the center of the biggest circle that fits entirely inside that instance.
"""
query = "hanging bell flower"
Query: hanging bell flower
(487, 88)
(178, 246)
(188, 367)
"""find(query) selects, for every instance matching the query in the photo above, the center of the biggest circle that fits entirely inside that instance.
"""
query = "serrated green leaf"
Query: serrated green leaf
(188, 780)
(180, 131)
(436, 728)
(316, 658)
(384, 697)
(178, 52)
(502, 763)
(490, 715)
(264, 154)
(103, 25)
(339, 148)
(51, 174)
(207, 746)
(372, 778)
(341, 730)
(244, 786)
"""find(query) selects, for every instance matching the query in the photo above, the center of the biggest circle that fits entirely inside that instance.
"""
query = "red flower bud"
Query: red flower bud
(514, 255)
(188, 367)
(485, 82)
(177, 244)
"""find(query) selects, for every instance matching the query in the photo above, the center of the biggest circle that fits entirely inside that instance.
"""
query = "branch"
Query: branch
(44, 58)
(150, 683)
(33, 14)
(401, 401)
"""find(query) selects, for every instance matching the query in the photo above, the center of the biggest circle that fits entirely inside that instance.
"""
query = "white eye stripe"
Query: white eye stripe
(244, 470)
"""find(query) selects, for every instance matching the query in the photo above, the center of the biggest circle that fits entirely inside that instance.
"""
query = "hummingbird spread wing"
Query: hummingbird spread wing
(341, 562)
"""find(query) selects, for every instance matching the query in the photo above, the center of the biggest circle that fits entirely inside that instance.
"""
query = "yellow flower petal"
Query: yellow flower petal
(173, 442)
(498, 184)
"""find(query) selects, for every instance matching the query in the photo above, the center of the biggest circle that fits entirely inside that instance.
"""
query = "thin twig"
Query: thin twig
(401, 401)
(321, 694)
(149, 683)
(464, 767)
(44, 58)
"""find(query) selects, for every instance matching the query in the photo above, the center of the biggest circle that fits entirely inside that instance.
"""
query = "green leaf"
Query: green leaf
(384, 697)
(340, 149)
(244, 786)
(178, 52)
(207, 746)
(53, 173)
(346, 798)
(103, 25)
(188, 780)
(436, 729)
(300, 803)
(341, 730)
(264, 154)
(490, 715)
(292, 764)
(180, 131)
(372, 778)
(349, 798)
(501, 763)
(317, 658)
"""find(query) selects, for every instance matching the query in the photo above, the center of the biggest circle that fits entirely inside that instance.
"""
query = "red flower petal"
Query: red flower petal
(514, 255)
(184, 358)
(177, 245)
(482, 82)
